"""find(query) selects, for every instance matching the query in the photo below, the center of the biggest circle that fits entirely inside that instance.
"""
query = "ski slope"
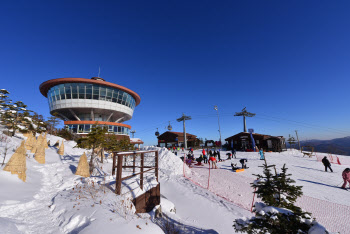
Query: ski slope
(53, 199)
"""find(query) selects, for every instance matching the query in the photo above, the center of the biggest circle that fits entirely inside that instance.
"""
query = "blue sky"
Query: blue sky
(286, 61)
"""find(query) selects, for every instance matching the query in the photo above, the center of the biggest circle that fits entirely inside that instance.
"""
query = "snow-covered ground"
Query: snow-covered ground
(54, 200)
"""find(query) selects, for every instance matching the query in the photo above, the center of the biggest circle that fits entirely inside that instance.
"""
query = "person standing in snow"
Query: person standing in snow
(346, 177)
(262, 156)
(234, 152)
(205, 158)
(219, 156)
(212, 159)
(326, 164)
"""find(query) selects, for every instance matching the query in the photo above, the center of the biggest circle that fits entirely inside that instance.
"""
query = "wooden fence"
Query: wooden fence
(120, 157)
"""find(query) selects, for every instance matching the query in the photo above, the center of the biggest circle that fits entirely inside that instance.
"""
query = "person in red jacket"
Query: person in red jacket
(346, 177)
(212, 159)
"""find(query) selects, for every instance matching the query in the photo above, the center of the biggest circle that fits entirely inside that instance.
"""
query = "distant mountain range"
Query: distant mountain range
(334, 146)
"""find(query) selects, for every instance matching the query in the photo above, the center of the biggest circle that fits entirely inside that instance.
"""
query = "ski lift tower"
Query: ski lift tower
(133, 132)
(170, 127)
(244, 113)
(183, 118)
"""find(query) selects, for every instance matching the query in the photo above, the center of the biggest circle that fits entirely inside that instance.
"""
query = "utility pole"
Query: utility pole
(217, 111)
(183, 118)
(244, 113)
(296, 131)
(132, 132)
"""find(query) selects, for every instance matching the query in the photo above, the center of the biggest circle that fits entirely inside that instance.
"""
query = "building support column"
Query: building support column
(92, 115)
(109, 117)
(75, 116)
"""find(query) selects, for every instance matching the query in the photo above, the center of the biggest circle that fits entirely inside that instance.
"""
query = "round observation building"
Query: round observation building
(82, 102)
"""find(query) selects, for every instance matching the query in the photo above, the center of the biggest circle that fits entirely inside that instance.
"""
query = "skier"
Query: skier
(219, 156)
(346, 177)
(326, 164)
(213, 160)
(228, 156)
(244, 161)
(262, 156)
(234, 152)
(183, 149)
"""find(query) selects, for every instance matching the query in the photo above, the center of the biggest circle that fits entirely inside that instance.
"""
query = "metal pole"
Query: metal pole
(217, 111)
(185, 140)
(298, 140)
(244, 124)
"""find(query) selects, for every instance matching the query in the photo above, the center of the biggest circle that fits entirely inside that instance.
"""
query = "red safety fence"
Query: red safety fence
(335, 159)
(237, 189)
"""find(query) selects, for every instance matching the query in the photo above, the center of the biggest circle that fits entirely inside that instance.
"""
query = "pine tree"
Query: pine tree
(93, 140)
(277, 212)
(52, 123)
(15, 116)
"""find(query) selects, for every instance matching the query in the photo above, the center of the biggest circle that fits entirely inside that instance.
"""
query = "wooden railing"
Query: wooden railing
(118, 164)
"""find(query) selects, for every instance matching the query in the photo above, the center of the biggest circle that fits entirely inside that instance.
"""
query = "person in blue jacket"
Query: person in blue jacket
(262, 156)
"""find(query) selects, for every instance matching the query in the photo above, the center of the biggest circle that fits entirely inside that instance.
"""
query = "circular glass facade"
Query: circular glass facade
(86, 128)
(90, 91)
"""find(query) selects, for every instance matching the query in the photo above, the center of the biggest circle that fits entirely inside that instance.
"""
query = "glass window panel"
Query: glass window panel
(119, 129)
(96, 90)
(80, 128)
(116, 129)
(124, 97)
(103, 91)
(109, 93)
(81, 94)
(115, 94)
(81, 90)
(68, 91)
(74, 88)
(74, 128)
(57, 92)
(87, 127)
(88, 92)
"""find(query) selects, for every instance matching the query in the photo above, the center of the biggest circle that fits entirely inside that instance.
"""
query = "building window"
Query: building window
(90, 91)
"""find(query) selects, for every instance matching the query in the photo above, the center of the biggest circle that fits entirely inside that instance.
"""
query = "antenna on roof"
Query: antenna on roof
(99, 71)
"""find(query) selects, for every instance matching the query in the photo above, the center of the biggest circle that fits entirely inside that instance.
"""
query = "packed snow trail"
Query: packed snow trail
(35, 216)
